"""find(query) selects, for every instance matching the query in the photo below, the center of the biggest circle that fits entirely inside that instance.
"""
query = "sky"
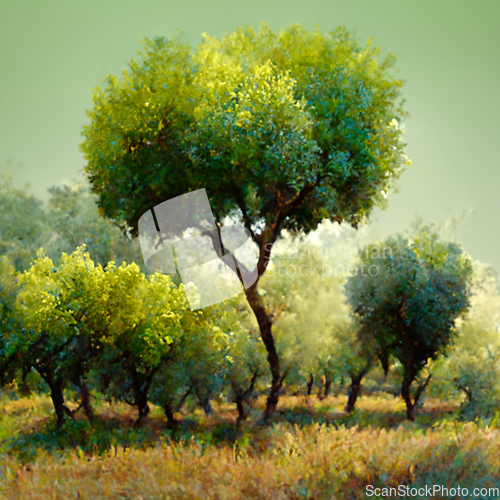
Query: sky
(54, 52)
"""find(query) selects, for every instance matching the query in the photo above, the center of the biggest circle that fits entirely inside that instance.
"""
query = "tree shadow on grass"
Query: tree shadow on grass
(386, 413)
(101, 437)
(109, 433)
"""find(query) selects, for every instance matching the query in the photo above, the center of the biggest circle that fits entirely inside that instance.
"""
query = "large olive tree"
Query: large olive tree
(282, 130)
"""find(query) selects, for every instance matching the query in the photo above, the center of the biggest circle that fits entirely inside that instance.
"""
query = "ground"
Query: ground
(311, 451)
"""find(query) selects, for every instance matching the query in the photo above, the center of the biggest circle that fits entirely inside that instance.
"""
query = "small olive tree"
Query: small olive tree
(407, 294)
(61, 320)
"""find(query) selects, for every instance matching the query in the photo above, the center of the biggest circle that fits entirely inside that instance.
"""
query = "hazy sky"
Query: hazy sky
(53, 52)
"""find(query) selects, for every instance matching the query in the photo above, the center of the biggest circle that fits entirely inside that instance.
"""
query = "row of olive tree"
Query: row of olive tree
(345, 306)
(283, 131)
(316, 334)
(138, 338)
(135, 335)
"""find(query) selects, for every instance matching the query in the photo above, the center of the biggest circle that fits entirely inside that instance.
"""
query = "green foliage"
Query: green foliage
(68, 221)
(420, 288)
(8, 289)
(74, 221)
(304, 290)
(144, 316)
(409, 308)
(472, 363)
(58, 305)
(23, 225)
(255, 118)
(8, 292)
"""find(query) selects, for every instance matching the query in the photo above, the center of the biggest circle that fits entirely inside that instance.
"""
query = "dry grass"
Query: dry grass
(208, 459)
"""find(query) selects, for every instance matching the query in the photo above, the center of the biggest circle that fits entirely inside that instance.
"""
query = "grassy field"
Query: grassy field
(311, 451)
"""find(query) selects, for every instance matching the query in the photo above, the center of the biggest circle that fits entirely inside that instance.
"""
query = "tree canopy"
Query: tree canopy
(407, 294)
(265, 122)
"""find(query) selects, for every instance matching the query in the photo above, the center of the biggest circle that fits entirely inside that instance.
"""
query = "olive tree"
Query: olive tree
(472, 364)
(316, 333)
(145, 318)
(24, 225)
(59, 308)
(407, 294)
(9, 358)
(282, 130)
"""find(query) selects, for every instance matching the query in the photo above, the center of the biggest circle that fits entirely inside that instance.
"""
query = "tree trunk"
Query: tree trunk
(355, 388)
(57, 396)
(265, 327)
(24, 388)
(56, 392)
(142, 407)
(327, 387)
(406, 394)
(409, 364)
(85, 401)
(169, 413)
(141, 400)
(384, 361)
(183, 398)
(207, 406)
(420, 390)
(467, 391)
(241, 409)
(203, 399)
(141, 385)
(241, 394)
(310, 383)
